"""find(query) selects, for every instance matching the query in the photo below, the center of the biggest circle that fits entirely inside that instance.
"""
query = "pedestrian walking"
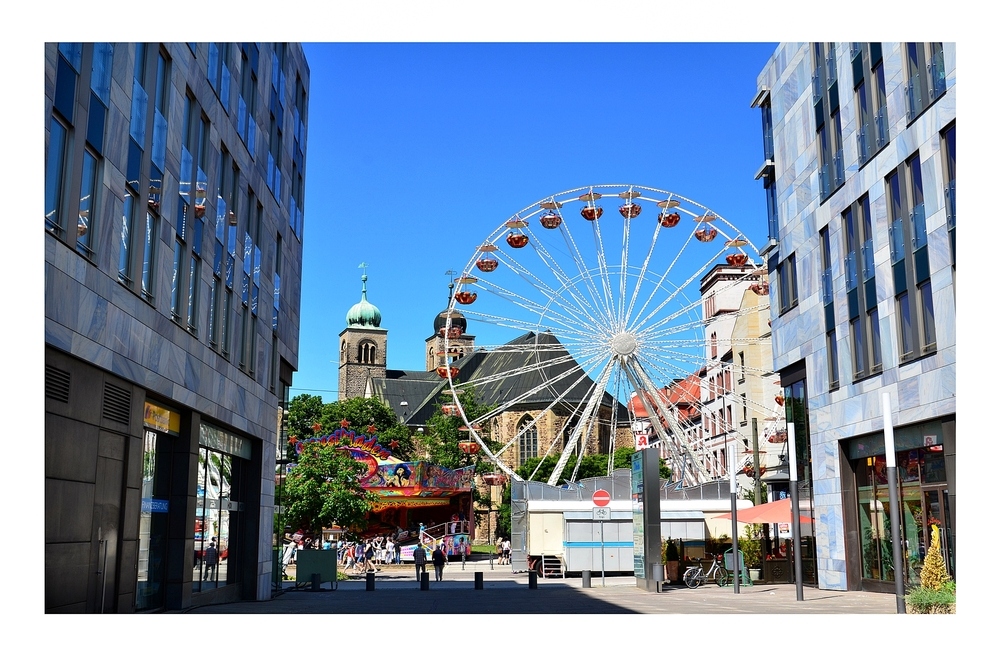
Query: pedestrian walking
(506, 551)
(211, 560)
(420, 560)
(438, 559)
(399, 552)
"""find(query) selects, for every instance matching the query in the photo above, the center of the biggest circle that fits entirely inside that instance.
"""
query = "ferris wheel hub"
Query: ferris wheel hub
(624, 344)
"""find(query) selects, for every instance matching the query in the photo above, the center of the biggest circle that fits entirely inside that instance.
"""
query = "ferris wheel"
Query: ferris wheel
(592, 300)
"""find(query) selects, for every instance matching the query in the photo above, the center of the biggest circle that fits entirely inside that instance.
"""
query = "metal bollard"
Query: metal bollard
(425, 581)
(370, 581)
(315, 579)
(479, 581)
(532, 580)
(585, 576)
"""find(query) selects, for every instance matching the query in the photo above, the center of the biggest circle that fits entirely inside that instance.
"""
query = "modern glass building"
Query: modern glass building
(859, 175)
(171, 325)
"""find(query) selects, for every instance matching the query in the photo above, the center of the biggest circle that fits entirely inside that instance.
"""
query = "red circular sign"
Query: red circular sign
(601, 498)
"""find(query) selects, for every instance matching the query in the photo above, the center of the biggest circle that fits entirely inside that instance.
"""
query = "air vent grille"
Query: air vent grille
(56, 384)
(117, 404)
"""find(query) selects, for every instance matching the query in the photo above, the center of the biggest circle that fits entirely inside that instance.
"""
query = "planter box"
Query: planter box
(671, 570)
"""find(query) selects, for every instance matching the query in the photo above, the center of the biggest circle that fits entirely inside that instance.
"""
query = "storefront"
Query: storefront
(160, 430)
(926, 469)
(219, 522)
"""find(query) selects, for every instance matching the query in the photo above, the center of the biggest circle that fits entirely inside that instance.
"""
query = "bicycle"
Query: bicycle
(695, 575)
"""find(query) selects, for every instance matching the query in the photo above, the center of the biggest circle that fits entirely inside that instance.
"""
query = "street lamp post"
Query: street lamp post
(793, 487)
(892, 476)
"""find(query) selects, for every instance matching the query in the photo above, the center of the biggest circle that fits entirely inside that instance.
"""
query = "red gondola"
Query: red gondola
(465, 298)
(630, 210)
(705, 233)
(550, 220)
(669, 220)
(517, 240)
(592, 213)
(736, 259)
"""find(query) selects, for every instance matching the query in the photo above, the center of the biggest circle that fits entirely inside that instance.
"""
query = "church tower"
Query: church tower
(362, 346)
(459, 343)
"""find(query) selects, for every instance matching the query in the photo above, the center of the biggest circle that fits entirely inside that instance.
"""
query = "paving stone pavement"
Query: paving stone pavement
(397, 591)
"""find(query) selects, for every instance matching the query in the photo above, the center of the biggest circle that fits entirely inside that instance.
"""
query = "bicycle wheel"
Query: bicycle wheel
(721, 576)
(691, 578)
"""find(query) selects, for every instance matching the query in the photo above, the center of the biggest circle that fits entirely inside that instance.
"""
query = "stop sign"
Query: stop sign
(601, 498)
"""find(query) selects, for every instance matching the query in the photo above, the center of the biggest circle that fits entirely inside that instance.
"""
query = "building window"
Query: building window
(832, 359)
(788, 291)
(910, 260)
(862, 297)
(367, 353)
(826, 108)
(870, 99)
(528, 440)
(925, 77)
(246, 123)
(148, 258)
(948, 150)
(218, 71)
(55, 172)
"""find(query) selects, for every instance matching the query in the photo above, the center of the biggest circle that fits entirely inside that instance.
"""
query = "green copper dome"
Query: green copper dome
(364, 313)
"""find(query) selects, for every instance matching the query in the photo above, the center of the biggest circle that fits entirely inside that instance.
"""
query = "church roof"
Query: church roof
(364, 313)
(422, 390)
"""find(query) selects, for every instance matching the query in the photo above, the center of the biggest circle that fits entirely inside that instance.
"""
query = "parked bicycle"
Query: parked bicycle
(695, 575)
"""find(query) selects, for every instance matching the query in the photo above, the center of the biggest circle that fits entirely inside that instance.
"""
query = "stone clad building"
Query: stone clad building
(174, 181)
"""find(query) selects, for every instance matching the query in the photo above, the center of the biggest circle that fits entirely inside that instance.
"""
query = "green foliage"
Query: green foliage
(306, 411)
(669, 551)
(751, 552)
(591, 466)
(928, 600)
(323, 489)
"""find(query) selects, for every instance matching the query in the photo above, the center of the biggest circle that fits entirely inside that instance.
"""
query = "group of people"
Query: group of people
(503, 550)
(368, 555)
(438, 559)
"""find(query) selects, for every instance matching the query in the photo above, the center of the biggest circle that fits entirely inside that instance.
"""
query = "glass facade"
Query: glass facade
(217, 535)
(923, 495)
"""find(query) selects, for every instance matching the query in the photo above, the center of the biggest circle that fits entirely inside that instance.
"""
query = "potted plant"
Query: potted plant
(671, 560)
(750, 546)
(936, 592)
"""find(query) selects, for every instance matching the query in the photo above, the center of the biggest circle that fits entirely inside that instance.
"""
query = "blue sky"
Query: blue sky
(419, 151)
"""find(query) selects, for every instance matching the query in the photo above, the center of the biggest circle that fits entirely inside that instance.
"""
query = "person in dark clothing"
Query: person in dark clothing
(438, 559)
(211, 560)
(420, 560)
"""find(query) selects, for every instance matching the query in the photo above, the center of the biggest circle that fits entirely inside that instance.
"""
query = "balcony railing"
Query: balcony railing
(864, 149)
(851, 270)
(827, 286)
(919, 226)
(831, 68)
(914, 99)
(936, 71)
(896, 251)
(881, 127)
(949, 204)
(838, 168)
(817, 86)
(867, 260)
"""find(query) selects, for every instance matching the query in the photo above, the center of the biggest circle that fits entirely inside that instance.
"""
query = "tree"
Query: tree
(323, 489)
(309, 416)
(364, 412)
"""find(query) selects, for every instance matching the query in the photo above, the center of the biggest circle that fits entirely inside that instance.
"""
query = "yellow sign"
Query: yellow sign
(161, 419)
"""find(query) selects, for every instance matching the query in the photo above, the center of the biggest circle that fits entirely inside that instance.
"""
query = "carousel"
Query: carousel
(418, 502)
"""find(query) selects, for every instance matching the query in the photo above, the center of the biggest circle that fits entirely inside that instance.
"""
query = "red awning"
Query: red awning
(775, 512)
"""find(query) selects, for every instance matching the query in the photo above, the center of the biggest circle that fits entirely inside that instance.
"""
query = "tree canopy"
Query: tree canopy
(323, 489)
(309, 416)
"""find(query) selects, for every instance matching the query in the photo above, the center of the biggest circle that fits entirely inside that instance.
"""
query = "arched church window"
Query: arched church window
(367, 353)
(528, 441)
(343, 351)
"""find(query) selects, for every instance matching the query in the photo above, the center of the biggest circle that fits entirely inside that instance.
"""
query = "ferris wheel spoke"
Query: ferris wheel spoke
(546, 290)
(567, 283)
(526, 326)
(590, 412)
(602, 265)
(545, 384)
(535, 308)
(642, 319)
(552, 405)
(583, 269)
